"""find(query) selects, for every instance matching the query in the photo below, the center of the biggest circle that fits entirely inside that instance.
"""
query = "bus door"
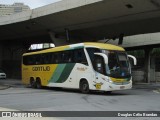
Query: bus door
(99, 67)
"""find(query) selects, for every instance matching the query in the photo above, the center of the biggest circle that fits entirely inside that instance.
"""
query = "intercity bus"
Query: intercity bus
(84, 66)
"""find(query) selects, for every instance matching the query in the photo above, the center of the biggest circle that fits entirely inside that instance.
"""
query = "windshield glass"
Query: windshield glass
(118, 64)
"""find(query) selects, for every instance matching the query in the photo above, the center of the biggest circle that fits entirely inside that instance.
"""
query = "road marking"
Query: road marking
(156, 91)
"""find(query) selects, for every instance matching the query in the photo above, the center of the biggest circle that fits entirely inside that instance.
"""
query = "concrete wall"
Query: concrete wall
(19, 17)
(138, 76)
(0, 55)
(11, 59)
(45, 10)
(138, 40)
(157, 76)
(60, 6)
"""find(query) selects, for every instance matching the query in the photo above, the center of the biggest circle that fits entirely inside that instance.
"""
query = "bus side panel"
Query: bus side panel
(61, 75)
(85, 73)
(69, 75)
(25, 75)
(79, 72)
(44, 72)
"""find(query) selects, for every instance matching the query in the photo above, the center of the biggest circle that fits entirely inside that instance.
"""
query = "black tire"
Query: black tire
(32, 83)
(108, 92)
(84, 87)
(38, 84)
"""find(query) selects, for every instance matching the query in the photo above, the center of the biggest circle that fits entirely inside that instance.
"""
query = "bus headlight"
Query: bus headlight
(108, 80)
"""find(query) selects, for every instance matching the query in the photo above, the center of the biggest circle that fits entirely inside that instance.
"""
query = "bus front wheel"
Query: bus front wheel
(84, 86)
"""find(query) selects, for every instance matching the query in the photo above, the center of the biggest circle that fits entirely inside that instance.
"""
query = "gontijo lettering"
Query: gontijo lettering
(41, 68)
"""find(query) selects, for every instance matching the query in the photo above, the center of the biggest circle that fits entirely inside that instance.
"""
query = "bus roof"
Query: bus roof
(79, 45)
(103, 46)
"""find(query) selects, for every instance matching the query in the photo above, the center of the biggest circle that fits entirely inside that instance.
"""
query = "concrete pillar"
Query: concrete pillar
(148, 64)
(10, 57)
(1, 55)
(57, 41)
(152, 70)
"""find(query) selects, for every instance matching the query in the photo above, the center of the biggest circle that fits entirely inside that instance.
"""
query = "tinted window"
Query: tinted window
(80, 57)
(91, 52)
(70, 56)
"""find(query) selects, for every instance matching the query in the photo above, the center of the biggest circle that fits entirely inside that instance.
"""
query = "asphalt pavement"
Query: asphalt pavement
(7, 83)
(33, 99)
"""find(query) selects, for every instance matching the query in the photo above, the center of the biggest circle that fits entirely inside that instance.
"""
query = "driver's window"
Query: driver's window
(99, 65)
(112, 61)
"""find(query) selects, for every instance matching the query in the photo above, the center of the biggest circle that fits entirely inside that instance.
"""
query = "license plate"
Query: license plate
(122, 87)
(98, 86)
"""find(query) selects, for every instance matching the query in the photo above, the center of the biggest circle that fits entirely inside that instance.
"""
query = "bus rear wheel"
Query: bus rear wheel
(84, 86)
(32, 83)
(38, 83)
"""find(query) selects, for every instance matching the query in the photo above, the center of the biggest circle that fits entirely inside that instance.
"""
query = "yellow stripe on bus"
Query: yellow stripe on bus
(117, 80)
(103, 46)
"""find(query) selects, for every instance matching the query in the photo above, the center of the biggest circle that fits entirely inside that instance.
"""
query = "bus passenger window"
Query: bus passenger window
(38, 59)
(55, 58)
(68, 57)
(80, 57)
(46, 58)
(31, 60)
(52, 59)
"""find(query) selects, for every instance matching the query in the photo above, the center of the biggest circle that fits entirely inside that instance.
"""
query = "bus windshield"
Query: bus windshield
(118, 64)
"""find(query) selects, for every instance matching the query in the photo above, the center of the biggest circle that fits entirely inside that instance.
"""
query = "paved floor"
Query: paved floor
(143, 97)
(3, 87)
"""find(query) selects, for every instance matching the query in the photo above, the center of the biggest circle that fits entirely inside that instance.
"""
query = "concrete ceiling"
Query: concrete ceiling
(95, 21)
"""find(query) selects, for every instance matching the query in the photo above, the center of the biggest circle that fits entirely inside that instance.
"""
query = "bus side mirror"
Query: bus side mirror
(134, 59)
(105, 57)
